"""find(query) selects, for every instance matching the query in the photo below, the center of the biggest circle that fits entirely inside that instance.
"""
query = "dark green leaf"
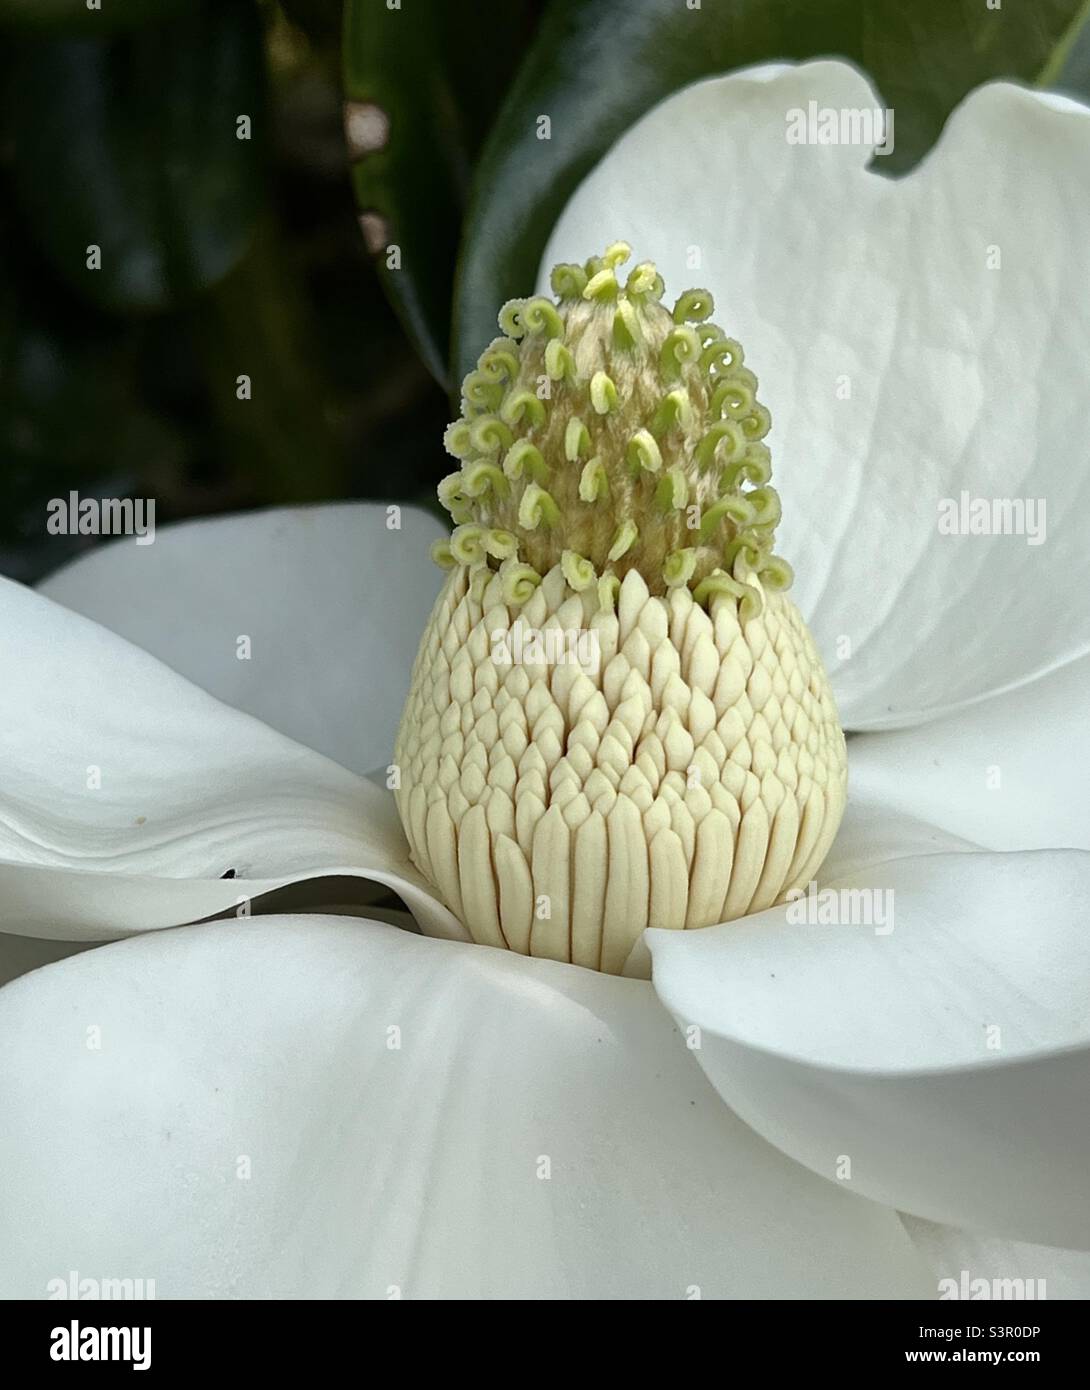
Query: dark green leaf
(1068, 68)
(421, 85)
(276, 426)
(594, 69)
(321, 19)
(69, 417)
(74, 15)
(130, 144)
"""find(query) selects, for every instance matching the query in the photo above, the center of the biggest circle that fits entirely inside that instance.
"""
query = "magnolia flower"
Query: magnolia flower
(802, 1102)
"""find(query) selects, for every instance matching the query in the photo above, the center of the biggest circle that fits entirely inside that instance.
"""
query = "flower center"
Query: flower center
(605, 433)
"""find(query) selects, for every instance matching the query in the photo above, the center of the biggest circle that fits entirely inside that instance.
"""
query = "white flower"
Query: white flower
(289, 1105)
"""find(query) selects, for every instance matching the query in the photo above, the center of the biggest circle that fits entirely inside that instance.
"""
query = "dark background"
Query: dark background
(224, 257)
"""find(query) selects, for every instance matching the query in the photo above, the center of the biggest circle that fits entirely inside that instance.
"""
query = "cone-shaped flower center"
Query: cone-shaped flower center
(605, 433)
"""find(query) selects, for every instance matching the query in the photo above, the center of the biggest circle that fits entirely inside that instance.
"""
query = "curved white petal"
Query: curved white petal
(331, 600)
(942, 1067)
(1007, 773)
(304, 1107)
(914, 339)
(873, 833)
(127, 794)
(1012, 1270)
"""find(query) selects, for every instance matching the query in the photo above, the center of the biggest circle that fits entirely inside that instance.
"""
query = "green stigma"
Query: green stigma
(604, 432)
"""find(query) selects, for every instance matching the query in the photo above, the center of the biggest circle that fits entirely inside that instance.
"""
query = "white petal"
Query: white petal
(331, 600)
(961, 376)
(127, 793)
(422, 1166)
(1044, 1270)
(873, 834)
(1007, 773)
(948, 1061)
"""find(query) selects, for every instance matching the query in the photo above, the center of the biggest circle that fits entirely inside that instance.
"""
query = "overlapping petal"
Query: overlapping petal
(915, 340)
(308, 1107)
(331, 601)
(129, 799)
(923, 1038)
(1006, 773)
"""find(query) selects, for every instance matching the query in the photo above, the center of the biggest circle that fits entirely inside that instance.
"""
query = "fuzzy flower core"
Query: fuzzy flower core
(606, 433)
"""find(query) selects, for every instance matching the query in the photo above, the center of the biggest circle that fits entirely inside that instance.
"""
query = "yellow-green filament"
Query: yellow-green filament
(541, 316)
(578, 571)
(731, 508)
(568, 281)
(603, 393)
(722, 356)
(483, 476)
(616, 253)
(537, 508)
(679, 567)
(593, 481)
(518, 582)
(675, 412)
(756, 425)
(510, 318)
(776, 573)
(500, 360)
(467, 544)
(456, 439)
(559, 363)
(520, 404)
(681, 346)
(576, 439)
(624, 538)
(672, 492)
(644, 282)
(489, 434)
(525, 457)
(643, 453)
(603, 285)
(501, 545)
(724, 442)
(694, 306)
(609, 586)
(627, 333)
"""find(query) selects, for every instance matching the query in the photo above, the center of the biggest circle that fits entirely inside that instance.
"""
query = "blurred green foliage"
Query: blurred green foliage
(221, 257)
(225, 258)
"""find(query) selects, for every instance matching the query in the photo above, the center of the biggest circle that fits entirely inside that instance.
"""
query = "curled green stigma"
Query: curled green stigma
(604, 432)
